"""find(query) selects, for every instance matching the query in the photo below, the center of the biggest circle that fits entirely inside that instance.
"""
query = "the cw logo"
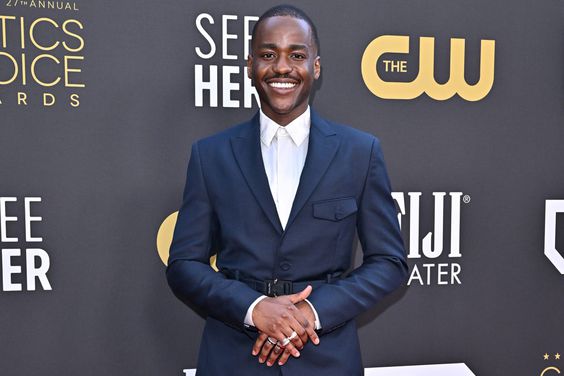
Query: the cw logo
(425, 81)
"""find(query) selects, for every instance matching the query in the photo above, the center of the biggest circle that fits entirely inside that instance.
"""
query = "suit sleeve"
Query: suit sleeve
(189, 273)
(384, 265)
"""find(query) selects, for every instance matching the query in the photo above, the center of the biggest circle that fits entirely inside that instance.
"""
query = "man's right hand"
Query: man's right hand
(278, 317)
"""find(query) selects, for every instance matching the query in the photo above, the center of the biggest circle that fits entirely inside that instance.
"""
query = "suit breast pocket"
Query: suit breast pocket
(335, 209)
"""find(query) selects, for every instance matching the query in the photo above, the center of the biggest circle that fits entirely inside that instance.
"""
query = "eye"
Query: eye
(298, 56)
(267, 55)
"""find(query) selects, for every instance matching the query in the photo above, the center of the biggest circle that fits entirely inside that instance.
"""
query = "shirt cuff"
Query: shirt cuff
(249, 316)
(317, 322)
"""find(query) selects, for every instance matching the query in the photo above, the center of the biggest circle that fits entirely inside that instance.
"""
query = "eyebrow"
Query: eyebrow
(293, 47)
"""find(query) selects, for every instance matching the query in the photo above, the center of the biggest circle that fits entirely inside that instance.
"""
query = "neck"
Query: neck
(283, 119)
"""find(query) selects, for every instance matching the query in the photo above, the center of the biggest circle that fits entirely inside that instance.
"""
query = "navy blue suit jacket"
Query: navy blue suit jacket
(228, 209)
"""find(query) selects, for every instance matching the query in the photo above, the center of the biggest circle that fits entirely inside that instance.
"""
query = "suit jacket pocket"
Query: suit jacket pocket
(334, 209)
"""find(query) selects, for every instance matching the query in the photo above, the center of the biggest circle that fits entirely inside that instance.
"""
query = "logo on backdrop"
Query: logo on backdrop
(164, 236)
(433, 265)
(375, 64)
(553, 369)
(18, 227)
(41, 58)
(42, 4)
(553, 207)
(164, 239)
(220, 79)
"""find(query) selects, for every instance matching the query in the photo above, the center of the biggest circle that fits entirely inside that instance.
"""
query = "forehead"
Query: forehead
(283, 30)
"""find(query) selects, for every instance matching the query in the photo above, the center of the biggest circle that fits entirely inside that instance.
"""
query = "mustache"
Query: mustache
(281, 76)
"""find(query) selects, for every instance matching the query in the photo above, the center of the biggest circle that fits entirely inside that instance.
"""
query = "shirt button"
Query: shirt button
(285, 266)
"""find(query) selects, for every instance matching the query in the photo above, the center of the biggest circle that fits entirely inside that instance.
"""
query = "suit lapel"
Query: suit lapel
(247, 151)
(322, 147)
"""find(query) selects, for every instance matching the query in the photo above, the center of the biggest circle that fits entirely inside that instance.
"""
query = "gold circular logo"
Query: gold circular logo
(164, 236)
(164, 239)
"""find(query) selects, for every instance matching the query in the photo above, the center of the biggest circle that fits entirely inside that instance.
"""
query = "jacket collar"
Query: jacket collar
(298, 129)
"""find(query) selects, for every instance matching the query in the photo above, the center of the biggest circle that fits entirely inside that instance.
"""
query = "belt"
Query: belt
(274, 287)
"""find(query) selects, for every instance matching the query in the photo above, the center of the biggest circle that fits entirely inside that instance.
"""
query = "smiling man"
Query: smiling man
(280, 199)
(283, 65)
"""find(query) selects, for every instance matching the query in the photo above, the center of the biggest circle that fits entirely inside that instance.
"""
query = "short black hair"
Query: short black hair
(291, 11)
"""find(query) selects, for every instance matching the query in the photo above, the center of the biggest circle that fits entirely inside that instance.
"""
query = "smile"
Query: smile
(282, 85)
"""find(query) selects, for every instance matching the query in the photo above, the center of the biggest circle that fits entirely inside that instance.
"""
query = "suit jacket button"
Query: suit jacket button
(285, 266)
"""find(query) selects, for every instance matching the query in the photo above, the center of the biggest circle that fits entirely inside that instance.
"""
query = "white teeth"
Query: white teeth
(282, 85)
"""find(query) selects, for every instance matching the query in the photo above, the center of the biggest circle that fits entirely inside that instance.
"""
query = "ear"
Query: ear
(250, 66)
(317, 67)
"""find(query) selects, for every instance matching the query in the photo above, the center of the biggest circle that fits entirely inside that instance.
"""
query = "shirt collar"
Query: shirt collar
(298, 129)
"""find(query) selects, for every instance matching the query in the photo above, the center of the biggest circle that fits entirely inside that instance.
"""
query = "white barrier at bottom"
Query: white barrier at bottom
(454, 369)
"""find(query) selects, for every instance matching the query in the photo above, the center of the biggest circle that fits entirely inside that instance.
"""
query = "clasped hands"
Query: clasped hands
(278, 319)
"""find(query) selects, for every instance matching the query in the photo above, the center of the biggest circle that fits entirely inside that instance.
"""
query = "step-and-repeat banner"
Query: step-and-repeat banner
(101, 100)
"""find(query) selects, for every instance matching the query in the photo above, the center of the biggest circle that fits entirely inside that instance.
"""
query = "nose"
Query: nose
(282, 65)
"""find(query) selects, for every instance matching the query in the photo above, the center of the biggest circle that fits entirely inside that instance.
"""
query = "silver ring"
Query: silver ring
(293, 335)
(272, 341)
(285, 341)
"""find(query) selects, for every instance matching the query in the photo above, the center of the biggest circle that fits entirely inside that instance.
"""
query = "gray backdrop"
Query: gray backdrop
(111, 169)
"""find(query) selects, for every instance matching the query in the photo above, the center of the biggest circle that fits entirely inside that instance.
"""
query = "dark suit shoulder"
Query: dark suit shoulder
(353, 132)
(353, 136)
(327, 126)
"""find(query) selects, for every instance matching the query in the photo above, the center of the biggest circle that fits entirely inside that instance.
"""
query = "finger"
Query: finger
(302, 295)
(297, 341)
(302, 335)
(312, 334)
(290, 347)
(274, 354)
(265, 351)
(308, 322)
(301, 324)
(283, 358)
(293, 335)
(261, 339)
(279, 350)
(309, 328)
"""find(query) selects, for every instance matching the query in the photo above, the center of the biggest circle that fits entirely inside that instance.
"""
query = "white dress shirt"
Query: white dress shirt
(284, 151)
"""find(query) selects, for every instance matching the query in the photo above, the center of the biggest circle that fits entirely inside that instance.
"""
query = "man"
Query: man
(279, 199)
